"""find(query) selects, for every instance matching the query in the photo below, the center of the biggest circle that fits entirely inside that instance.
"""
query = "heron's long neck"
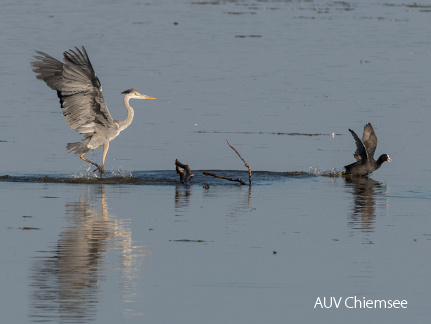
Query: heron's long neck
(130, 113)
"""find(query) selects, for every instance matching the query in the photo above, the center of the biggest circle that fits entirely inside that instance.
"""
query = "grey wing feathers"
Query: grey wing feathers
(49, 70)
(360, 154)
(369, 139)
(78, 89)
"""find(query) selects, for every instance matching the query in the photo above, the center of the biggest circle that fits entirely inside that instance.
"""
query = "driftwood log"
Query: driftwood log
(184, 177)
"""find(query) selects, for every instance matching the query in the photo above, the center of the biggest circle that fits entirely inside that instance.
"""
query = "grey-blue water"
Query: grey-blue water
(144, 248)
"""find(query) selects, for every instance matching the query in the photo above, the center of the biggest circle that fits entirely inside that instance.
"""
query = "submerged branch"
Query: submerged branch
(233, 179)
(184, 178)
(223, 177)
(245, 163)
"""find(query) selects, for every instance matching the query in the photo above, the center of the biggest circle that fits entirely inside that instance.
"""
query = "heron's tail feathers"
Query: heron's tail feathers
(79, 147)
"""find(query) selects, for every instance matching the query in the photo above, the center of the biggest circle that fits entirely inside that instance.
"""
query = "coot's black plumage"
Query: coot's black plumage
(364, 154)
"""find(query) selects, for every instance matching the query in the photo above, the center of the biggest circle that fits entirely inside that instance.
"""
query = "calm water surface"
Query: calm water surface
(276, 78)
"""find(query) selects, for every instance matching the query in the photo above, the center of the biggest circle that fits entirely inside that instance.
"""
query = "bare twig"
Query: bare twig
(245, 163)
(233, 179)
(223, 177)
(184, 178)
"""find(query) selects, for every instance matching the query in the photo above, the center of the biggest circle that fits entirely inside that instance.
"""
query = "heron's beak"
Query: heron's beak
(145, 97)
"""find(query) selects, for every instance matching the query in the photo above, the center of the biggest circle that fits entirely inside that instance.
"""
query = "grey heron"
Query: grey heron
(82, 102)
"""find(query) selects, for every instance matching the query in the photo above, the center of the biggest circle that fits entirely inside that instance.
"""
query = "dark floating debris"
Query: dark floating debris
(245, 36)
(268, 133)
(27, 228)
(238, 13)
(206, 2)
(193, 241)
(415, 5)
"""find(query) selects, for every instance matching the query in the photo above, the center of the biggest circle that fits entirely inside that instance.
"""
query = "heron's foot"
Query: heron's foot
(101, 170)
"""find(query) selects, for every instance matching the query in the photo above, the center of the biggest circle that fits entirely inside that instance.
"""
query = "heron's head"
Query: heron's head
(132, 93)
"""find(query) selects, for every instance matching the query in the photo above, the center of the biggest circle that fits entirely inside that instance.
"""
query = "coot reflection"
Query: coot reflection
(365, 192)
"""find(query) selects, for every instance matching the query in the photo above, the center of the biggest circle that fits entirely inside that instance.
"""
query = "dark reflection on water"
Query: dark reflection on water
(240, 205)
(365, 192)
(182, 199)
(65, 279)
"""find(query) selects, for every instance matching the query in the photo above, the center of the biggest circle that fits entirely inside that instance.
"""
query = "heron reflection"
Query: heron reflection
(66, 278)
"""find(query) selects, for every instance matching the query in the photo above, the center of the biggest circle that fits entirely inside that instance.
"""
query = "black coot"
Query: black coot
(365, 154)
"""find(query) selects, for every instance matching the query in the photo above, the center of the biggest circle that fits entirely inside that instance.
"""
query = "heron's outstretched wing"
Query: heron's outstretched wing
(77, 87)
(369, 139)
(49, 70)
(361, 153)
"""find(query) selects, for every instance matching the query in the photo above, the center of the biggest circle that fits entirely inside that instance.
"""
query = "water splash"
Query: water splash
(334, 173)
(122, 173)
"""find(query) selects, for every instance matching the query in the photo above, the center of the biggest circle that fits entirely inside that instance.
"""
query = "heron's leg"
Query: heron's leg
(105, 151)
(96, 165)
